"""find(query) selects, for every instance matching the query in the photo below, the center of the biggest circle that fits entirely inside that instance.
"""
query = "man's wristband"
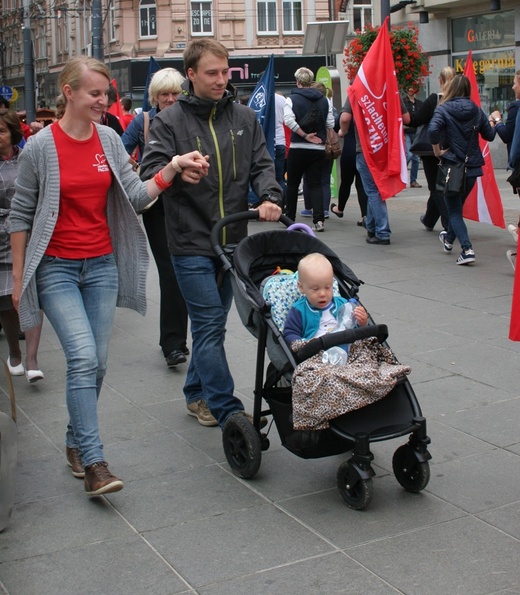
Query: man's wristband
(304, 135)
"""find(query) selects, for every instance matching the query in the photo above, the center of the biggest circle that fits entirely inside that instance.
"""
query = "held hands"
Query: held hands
(194, 166)
(495, 115)
(312, 137)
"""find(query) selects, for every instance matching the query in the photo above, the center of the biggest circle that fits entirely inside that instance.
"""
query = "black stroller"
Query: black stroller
(253, 260)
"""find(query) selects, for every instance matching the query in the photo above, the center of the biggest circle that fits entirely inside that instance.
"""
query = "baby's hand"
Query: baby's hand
(361, 315)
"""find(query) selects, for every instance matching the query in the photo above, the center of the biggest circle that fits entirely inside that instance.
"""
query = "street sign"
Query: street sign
(6, 92)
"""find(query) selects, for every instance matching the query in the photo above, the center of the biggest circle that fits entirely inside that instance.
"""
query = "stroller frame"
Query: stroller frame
(399, 411)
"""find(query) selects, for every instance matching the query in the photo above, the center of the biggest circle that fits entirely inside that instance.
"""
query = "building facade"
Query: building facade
(252, 30)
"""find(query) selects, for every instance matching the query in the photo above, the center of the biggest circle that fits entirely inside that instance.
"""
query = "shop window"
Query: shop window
(148, 19)
(292, 16)
(201, 18)
(266, 17)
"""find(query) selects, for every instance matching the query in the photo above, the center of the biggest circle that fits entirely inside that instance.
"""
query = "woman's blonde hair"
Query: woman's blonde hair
(164, 80)
(445, 76)
(459, 86)
(75, 68)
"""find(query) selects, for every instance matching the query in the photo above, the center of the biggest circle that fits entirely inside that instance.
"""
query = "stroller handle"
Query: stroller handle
(243, 215)
(314, 346)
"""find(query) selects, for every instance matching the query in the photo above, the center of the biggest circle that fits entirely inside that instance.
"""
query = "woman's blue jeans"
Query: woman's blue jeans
(79, 299)
(208, 296)
(456, 224)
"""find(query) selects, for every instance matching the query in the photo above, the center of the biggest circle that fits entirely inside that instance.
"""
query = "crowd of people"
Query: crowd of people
(73, 252)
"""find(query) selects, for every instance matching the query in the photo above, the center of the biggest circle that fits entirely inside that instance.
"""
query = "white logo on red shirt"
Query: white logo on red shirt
(101, 163)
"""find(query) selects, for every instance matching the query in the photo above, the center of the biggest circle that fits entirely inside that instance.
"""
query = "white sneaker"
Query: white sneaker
(511, 256)
(513, 230)
(318, 226)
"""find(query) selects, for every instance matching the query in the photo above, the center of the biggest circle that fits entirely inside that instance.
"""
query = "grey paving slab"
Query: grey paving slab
(331, 573)
(392, 512)
(462, 556)
(133, 568)
(235, 544)
(444, 396)
(478, 482)
(506, 518)
(497, 423)
(194, 495)
(38, 529)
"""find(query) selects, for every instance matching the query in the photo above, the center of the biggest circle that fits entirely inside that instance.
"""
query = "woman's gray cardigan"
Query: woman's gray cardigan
(35, 209)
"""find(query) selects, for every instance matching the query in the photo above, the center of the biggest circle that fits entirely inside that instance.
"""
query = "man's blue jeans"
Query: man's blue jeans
(377, 211)
(208, 296)
(79, 299)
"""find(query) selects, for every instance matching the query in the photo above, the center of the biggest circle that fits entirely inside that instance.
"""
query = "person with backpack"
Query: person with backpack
(307, 114)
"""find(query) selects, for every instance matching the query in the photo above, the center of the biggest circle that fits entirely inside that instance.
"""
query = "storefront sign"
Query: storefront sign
(484, 32)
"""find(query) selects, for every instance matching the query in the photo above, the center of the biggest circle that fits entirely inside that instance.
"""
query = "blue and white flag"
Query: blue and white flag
(153, 67)
(262, 101)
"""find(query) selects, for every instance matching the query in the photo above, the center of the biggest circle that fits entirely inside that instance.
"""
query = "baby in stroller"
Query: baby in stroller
(322, 391)
(316, 313)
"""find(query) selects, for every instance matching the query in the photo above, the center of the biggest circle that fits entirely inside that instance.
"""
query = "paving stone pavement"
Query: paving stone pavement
(185, 524)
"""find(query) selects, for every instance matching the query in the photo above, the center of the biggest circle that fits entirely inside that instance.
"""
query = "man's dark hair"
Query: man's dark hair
(111, 95)
(126, 103)
(4, 102)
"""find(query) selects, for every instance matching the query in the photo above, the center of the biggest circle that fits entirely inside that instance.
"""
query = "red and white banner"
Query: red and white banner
(376, 107)
(484, 202)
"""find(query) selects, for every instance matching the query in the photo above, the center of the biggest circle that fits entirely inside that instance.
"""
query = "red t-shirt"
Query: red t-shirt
(81, 228)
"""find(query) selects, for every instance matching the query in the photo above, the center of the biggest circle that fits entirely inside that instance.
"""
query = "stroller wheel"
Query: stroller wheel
(412, 474)
(242, 446)
(356, 492)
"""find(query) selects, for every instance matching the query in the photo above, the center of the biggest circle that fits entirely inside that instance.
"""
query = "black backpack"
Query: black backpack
(312, 120)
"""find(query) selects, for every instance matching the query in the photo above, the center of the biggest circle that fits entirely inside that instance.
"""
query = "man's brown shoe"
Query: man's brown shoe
(415, 185)
(199, 409)
(99, 480)
(74, 461)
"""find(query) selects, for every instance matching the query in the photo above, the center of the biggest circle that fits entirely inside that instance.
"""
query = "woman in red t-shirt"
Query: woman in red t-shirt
(77, 196)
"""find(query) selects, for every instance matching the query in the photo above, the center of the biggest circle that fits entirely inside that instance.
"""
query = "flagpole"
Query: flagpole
(385, 12)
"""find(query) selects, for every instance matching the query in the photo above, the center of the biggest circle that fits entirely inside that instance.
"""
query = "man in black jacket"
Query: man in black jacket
(207, 118)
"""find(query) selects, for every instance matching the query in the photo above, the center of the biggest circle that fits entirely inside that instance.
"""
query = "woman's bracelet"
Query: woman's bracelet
(162, 184)
(175, 163)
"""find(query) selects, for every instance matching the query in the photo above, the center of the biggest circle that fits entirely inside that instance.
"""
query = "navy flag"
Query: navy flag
(262, 101)
(153, 67)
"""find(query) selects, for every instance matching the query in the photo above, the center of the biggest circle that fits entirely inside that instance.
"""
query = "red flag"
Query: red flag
(115, 108)
(484, 202)
(376, 107)
(514, 323)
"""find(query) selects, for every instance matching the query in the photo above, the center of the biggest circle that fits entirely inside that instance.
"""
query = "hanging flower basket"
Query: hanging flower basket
(411, 63)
